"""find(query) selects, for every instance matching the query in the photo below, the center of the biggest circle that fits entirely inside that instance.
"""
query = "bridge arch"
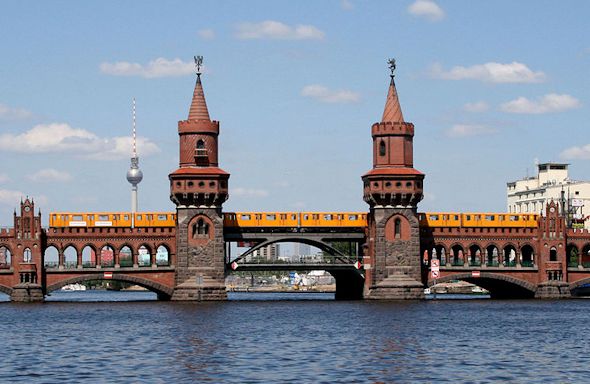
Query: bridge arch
(314, 243)
(500, 286)
(6, 290)
(163, 292)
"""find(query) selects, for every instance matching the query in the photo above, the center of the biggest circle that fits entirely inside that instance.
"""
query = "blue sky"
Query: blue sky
(490, 87)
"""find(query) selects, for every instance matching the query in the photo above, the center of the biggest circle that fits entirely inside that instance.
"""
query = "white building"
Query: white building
(529, 195)
(270, 252)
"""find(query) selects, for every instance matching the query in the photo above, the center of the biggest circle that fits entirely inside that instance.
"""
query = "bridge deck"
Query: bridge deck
(295, 267)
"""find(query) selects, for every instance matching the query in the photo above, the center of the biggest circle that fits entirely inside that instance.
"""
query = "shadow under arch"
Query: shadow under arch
(163, 292)
(314, 243)
(500, 286)
(577, 286)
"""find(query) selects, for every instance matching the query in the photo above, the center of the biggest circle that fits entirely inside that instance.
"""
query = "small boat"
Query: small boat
(74, 287)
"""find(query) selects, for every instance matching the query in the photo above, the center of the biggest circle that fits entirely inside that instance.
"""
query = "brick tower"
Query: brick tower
(393, 189)
(27, 258)
(199, 188)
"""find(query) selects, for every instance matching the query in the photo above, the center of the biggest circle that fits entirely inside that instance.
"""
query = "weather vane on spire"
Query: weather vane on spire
(391, 63)
(198, 63)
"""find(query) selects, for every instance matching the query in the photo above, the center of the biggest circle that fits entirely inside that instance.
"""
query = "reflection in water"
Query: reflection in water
(287, 340)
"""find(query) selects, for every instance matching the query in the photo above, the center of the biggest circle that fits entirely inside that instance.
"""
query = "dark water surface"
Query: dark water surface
(309, 340)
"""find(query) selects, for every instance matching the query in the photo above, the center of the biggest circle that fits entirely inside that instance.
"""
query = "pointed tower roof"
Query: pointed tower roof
(198, 110)
(392, 112)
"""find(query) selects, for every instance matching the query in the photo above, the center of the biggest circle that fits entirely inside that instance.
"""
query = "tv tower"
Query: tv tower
(134, 174)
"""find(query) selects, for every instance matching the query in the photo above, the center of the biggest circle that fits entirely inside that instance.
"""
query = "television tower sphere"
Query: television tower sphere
(134, 174)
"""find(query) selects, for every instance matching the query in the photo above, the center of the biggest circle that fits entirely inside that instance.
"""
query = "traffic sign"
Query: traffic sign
(234, 265)
(475, 273)
(358, 265)
(435, 274)
(108, 275)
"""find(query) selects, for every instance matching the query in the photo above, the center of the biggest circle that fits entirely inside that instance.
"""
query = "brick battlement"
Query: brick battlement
(391, 128)
(198, 126)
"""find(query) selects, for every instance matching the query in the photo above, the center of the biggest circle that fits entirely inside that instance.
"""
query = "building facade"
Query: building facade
(552, 183)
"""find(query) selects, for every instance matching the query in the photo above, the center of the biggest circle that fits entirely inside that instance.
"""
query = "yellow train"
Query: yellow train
(479, 219)
(294, 219)
(112, 219)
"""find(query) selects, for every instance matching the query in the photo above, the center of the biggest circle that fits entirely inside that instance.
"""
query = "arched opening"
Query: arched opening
(441, 253)
(123, 288)
(553, 254)
(200, 144)
(509, 256)
(457, 255)
(143, 256)
(572, 255)
(125, 257)
(492, 256)
(397, 228)
(382, 149)
(88, 257)
(527, 254)
(499, 286)
(585, 255)
(474, 255)
(51, 257)
(5, 258)
(162, 256)
(107, 256)
(70, 257)
(27, 255)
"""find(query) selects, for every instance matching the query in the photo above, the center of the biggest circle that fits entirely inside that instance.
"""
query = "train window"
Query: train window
(352, 217)
(445, 217)
(490, 217)
(162, 217)
(315, 217)
(433, 217)
(126, 217)
(293, 217)
(138, 217)
(467, 217)
(245, 217)
(513, 218)
(328, 217)
(115, 217)
(271, 216)
(501, 217)
(477, 217)
(283, 216)
(77, 217)
(149, 217)
(103, 217)
(456, 217)
(305, 217)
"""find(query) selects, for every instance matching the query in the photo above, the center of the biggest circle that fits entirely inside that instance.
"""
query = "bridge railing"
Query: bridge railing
(324, 259)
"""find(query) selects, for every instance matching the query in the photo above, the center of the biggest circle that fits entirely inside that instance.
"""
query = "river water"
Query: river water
(306, 338)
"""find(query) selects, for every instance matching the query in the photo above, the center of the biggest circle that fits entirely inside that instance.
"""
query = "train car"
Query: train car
(294, 219)
(440, 219)
(111, 219)
(95, 219)
(154, 219)
(499, 220)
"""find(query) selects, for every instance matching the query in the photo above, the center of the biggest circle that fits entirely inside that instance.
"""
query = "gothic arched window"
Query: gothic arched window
(27, 256)
(397, 228)
(381, 148)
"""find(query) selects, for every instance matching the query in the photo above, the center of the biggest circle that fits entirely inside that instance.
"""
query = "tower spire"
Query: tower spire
(134, 174)
(392, 112)
(198, 109)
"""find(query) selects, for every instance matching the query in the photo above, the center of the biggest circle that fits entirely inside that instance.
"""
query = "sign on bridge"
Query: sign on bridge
(435, 268)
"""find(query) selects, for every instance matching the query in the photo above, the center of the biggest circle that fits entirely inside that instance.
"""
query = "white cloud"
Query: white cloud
(478, 106)
(549, 103)
(10, 197)
(347, 5)
(206, 34)
(159, 67)
(467, 130)
(249, 192)
(4, 178)
(50, 175)
(325, 95)
(61, 138)
(490, 72)
(9, 113)
(580, 152)
(270, 29)
(427, 9)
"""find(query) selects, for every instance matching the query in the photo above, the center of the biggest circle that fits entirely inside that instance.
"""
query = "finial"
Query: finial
(134, 133)
(391, 63)
(198, 63)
